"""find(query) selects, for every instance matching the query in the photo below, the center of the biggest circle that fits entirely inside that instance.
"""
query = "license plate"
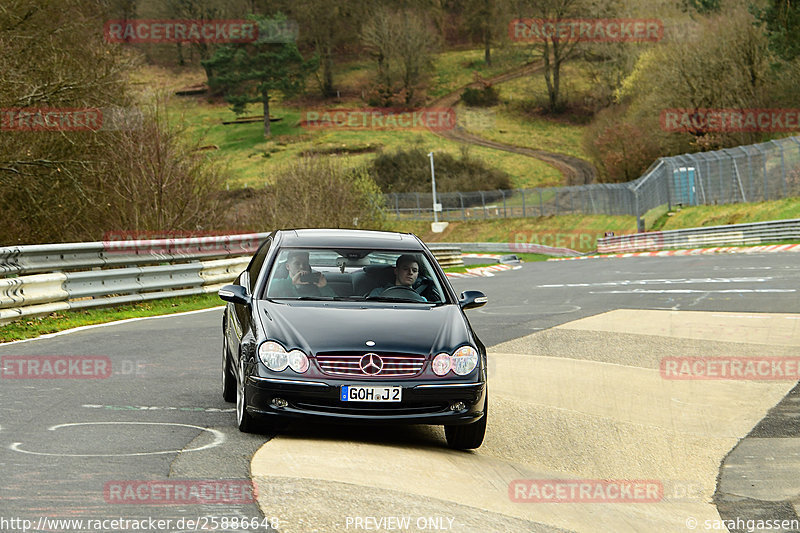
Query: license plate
(356, 393)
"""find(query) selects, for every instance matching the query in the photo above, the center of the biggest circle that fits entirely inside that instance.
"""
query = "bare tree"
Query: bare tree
(557, 48)
(487, 20)
(728, 66)
(402, 43)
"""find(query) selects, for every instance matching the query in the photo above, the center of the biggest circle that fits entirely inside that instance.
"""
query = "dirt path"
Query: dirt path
(576, 171)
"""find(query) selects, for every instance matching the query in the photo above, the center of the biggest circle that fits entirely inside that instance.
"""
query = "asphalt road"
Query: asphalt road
(159, 415)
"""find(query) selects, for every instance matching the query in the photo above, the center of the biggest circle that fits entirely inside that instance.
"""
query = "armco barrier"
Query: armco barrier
(45, 293)
(30, 259)
(514, 247)
(446, 255)
(736, 234)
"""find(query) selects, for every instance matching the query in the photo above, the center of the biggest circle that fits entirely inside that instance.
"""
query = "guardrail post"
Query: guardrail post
(541, 202)
(783, 170)
(639, 222)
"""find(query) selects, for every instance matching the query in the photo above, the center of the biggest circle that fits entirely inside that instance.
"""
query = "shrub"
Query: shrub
(410, 171)
(485, 97)
(316, 192)
(621, 149)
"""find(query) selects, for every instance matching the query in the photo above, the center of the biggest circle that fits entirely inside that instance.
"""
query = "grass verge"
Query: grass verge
(34, 327)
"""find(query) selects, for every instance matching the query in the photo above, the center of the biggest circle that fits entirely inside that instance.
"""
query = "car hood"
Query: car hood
(333, 326)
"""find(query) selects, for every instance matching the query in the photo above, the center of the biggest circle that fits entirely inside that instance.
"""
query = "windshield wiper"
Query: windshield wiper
(387, 299)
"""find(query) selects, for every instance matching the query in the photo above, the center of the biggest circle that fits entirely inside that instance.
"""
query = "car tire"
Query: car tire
(228, 379)
(468, 436)
(245, 422)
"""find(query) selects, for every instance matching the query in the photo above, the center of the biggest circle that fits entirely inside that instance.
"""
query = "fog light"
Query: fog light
(458, 406)
(279, 402)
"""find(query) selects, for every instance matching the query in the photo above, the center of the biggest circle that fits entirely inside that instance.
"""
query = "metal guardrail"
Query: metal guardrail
(40, 294)
(30, 259)
(736, 234)
(513, 247)
(447, 255)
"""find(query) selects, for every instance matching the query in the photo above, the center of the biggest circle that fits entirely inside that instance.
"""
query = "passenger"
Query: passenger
(301, 281)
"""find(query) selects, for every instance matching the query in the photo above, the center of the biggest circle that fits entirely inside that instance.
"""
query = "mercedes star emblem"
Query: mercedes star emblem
(371, 364)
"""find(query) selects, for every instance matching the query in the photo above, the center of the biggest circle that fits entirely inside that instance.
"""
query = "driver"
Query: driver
(406, 271)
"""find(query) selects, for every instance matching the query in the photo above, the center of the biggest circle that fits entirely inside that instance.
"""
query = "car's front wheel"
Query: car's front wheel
(246, 423)
(468, 436)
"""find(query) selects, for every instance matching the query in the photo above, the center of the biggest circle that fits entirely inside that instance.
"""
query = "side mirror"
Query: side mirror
(235, 294)
(472, 299)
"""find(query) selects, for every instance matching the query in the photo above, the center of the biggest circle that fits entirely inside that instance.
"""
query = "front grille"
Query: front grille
(349, 364)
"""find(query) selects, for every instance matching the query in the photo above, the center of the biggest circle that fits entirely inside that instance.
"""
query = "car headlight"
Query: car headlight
(464, 360)
(298, 361)
(275, 357)
(441, 364)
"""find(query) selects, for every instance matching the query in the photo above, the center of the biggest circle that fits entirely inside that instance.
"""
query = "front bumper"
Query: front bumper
(423, 401)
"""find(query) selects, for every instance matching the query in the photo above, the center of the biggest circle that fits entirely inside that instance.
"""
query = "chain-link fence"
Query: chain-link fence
(593, 199)
(757, 172)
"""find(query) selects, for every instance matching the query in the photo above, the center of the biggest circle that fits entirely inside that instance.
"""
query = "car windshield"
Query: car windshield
(358, 275)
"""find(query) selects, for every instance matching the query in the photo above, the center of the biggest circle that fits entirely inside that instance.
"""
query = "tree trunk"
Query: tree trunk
(265, 101)
(548, 73)
(487, 50)
(327, 71)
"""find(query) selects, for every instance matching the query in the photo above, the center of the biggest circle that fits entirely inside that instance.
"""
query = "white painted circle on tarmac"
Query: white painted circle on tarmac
(219, 438)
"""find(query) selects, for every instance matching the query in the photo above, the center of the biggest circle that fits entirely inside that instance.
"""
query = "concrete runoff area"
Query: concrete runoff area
(572, 403)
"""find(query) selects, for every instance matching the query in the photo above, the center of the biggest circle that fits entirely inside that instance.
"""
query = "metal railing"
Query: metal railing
(447, 255)
(735, 234)
(29, 259)
(41, 279)
(757, 172)
(515, 247)
(602, 198)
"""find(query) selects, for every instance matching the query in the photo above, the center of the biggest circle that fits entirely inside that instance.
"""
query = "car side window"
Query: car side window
(254, 268)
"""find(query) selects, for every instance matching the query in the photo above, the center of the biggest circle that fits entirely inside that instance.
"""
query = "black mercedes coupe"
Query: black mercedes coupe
(352, 326)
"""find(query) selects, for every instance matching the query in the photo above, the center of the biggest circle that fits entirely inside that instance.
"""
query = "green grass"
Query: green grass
(251, 159)
(457, 68)
(33, 327)
(717, 215)
(570, 231)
